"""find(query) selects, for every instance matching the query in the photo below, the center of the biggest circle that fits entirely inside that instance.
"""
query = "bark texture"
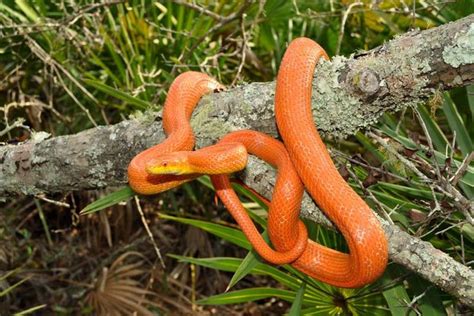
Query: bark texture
(348, 94)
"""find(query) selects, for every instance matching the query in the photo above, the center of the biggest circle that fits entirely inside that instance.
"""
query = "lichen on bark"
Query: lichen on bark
(461, 52)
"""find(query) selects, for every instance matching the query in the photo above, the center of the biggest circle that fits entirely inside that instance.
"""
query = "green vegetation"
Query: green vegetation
(69, 66)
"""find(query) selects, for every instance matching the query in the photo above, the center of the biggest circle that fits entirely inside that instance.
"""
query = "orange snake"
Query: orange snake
(302, 159)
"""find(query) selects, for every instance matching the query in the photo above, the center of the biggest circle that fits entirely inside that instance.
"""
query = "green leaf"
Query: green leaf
(397, 299)
(430, 302)
(366, 142)
(13, 13)
(140, 104)
(247, 295)
(248, 264)
(12, 287)
(27, 10)
(217, 263)
(232, 264)
(396, 295)
(470, 100)
(439, 139)
(281, 277)
(96, 60)
(232, 235)
(406, 190)
(406, 142)
(30, 310)
(392, 201)
(456, 123)
(250, 261)
(113, 198)
(243, 189)
(118, 63)
(206, 181)
(295, 309)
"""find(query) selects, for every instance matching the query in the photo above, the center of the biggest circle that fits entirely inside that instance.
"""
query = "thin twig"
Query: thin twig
(343, 24)
(462, 169)
(18, 123)
(44, 223)
(200, 9)
(366, 165)
(463, 204)
(404, 160)
(437, 206)
(57, 67)
(224, 21)
(57, 203)
(147, 228)
(430, 143)
(412, 305)
(380, 207)
(242, 50)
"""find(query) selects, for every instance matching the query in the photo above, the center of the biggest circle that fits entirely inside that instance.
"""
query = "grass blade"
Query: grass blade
(247, 265)
(12, 287)
(30, 310)
(457, 124)
(232, 264)
(27, 10)
(113, 198)
(430, 302)
(439, 139)
(138, 103)
(247, 295)
(295, 309)
(232, 235)
(217, 263)
(470, 100)
(396, 298)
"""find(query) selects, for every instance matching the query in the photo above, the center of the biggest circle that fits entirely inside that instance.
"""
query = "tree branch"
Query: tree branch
(348, 94)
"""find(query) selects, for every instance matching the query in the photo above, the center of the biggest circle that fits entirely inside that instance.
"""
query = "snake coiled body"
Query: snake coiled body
(350, 214)
(183, 96)
(302, 159)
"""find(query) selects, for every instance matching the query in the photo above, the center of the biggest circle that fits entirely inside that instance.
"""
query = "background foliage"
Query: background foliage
(70, 65)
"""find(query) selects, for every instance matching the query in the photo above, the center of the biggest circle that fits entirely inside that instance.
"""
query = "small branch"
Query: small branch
(242, 50)
(57, 203)
(463, 204)
(18, 123)
(381, 210)
(430, 143)
(200, 9)
(148, 231)
(222, 22)
(343, 24)
(462, 169)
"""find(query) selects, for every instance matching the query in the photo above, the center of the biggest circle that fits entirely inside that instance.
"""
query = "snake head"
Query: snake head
(175, 163)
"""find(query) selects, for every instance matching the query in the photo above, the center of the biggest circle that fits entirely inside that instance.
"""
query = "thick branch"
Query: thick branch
(349, 94)
(411, 252)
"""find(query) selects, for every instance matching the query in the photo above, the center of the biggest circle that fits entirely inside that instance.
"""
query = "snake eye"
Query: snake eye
(164, 164)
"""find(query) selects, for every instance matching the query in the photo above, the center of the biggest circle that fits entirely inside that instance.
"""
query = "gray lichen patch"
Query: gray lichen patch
(38, 137)
(246, 107)
(335, 111)
(358, 91)
(209, 122)
(461, 52)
